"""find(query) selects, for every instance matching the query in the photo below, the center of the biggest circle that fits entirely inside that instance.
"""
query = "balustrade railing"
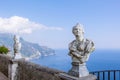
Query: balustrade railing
(107, 74)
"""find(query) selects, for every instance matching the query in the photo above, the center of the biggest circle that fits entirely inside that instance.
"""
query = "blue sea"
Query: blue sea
(99, 60)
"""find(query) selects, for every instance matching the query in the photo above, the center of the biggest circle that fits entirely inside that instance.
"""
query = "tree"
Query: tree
(3, 50)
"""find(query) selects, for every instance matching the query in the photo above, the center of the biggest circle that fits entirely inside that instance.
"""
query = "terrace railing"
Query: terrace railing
(107, 74)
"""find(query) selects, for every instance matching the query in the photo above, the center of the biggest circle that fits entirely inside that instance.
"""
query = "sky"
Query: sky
(50, 22)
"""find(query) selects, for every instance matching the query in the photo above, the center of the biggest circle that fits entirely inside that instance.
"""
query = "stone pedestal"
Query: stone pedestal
(12, 69)
(65, 76)
(17, 56)
(78, 70)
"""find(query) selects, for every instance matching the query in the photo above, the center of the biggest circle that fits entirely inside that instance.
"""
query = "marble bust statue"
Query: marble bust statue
(79, 50)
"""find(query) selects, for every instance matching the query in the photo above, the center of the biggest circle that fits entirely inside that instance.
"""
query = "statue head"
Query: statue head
(78, 29)
(16, 38)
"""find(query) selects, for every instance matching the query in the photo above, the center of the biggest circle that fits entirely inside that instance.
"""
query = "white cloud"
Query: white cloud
(19, 25)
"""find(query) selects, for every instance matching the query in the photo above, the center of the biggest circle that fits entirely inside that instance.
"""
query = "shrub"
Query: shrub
(3, 50)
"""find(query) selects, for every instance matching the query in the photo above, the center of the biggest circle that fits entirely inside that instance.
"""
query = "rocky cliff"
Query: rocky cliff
(28, 49)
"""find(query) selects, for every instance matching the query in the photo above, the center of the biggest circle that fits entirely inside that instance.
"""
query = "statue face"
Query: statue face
(77, 31)
(16, 38)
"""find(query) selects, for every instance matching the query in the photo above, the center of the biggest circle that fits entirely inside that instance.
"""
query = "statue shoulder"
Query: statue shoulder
(89, 41)
(72, 44)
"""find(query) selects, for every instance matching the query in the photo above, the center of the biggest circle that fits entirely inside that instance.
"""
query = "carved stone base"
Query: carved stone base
(78, 70)
(17, 56)
(65, 76)
(12, 69)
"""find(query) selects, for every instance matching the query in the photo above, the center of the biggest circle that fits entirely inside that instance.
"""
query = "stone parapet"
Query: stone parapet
(4, 62)
(3, 77)
(25, 70)
(31, 71)
(65, 76)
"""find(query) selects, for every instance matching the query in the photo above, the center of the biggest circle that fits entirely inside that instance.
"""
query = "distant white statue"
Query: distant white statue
(79, 50)
(17, 47)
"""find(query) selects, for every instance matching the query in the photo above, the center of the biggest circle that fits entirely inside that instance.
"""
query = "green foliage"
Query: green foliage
(3, 50)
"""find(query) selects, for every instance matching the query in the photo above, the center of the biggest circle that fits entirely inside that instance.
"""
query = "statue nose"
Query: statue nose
(77, 30)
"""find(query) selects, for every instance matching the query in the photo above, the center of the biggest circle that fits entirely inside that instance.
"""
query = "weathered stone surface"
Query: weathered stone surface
(27, 70)
(3, 77)
(78, 70)
(31, 71)
(65, 76)
(4, 62)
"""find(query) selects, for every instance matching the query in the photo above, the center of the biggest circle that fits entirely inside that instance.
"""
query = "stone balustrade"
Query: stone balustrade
(4, 62)
(27, 70)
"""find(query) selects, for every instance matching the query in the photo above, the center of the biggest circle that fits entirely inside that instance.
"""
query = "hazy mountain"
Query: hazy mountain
(28, 49)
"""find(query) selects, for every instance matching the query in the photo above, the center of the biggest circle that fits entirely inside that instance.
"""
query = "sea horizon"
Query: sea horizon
(100, 59)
